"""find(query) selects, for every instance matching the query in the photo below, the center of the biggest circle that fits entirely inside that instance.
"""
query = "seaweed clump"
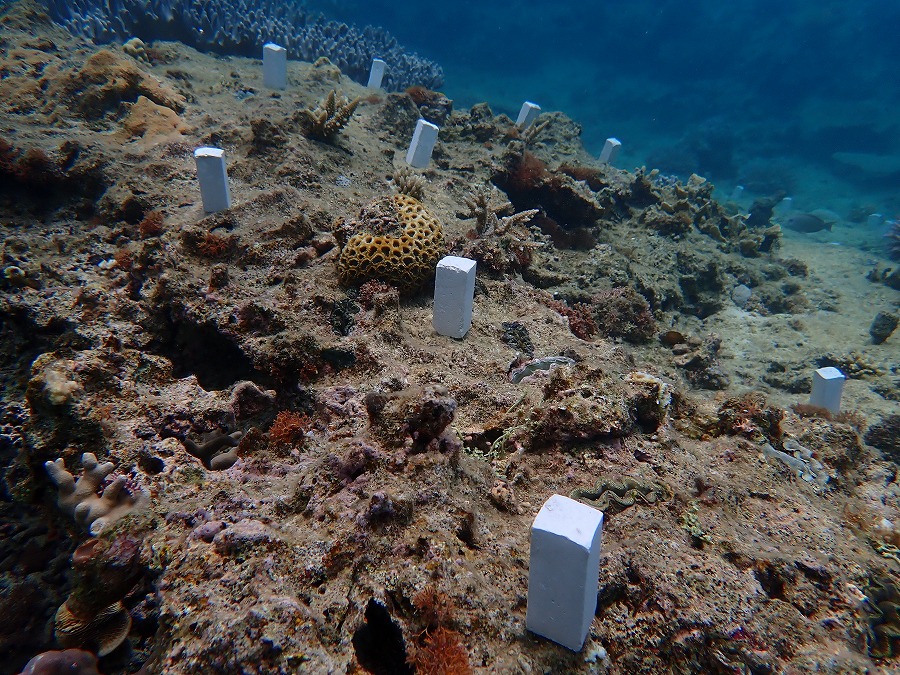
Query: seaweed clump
(439, 650)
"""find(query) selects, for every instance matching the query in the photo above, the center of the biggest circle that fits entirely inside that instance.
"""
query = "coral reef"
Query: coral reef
(80, 497)
(241, 26)
(395, 240)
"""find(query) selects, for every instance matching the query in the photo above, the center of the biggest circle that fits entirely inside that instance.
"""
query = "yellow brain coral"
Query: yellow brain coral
(395, 240)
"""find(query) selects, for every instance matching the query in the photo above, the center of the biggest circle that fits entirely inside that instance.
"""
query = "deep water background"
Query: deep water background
(799, 96)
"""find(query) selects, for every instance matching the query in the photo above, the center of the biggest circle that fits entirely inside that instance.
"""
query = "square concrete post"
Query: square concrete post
(424, 137)
(274, 66)
(376, 73)
(528, 114)
(610, 150)
(213, 179)
(454, 292)
(564, 570)
(828, 384)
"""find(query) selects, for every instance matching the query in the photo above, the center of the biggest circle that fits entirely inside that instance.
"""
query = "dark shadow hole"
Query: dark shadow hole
(202, 351)
(379, 644)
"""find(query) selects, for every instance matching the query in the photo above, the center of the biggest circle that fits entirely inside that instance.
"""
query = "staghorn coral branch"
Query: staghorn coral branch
(514, 220)
(329, 117)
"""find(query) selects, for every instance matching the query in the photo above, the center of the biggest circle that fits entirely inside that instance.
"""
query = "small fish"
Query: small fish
(806, 222)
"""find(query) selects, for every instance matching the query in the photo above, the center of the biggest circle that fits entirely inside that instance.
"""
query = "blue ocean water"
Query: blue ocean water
(799, 97)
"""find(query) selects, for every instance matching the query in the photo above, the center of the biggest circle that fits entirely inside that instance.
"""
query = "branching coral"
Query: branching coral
(512, 251)
(329, 117)
(80, 497)
(487, 218)
(532, 132)
(408, 183)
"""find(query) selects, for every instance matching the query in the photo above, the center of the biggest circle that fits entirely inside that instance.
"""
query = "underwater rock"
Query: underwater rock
(433, 106)
(65, 662)
(893, 247)
(106, 80)
(740, 295)
(418, 417)
(623, 312)
(883, 326)
(885, 435)
(699, 361)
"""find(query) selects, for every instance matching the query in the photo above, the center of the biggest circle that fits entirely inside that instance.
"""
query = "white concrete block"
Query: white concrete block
(563, 571)
(828, 384)
(376, 73)
(422, 145)
(610, 150)
(875, 220)
(454, 294)
(274, 66)
(527, 114)
(213, 179)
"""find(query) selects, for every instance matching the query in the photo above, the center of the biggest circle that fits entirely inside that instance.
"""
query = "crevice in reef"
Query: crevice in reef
(201, 350)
